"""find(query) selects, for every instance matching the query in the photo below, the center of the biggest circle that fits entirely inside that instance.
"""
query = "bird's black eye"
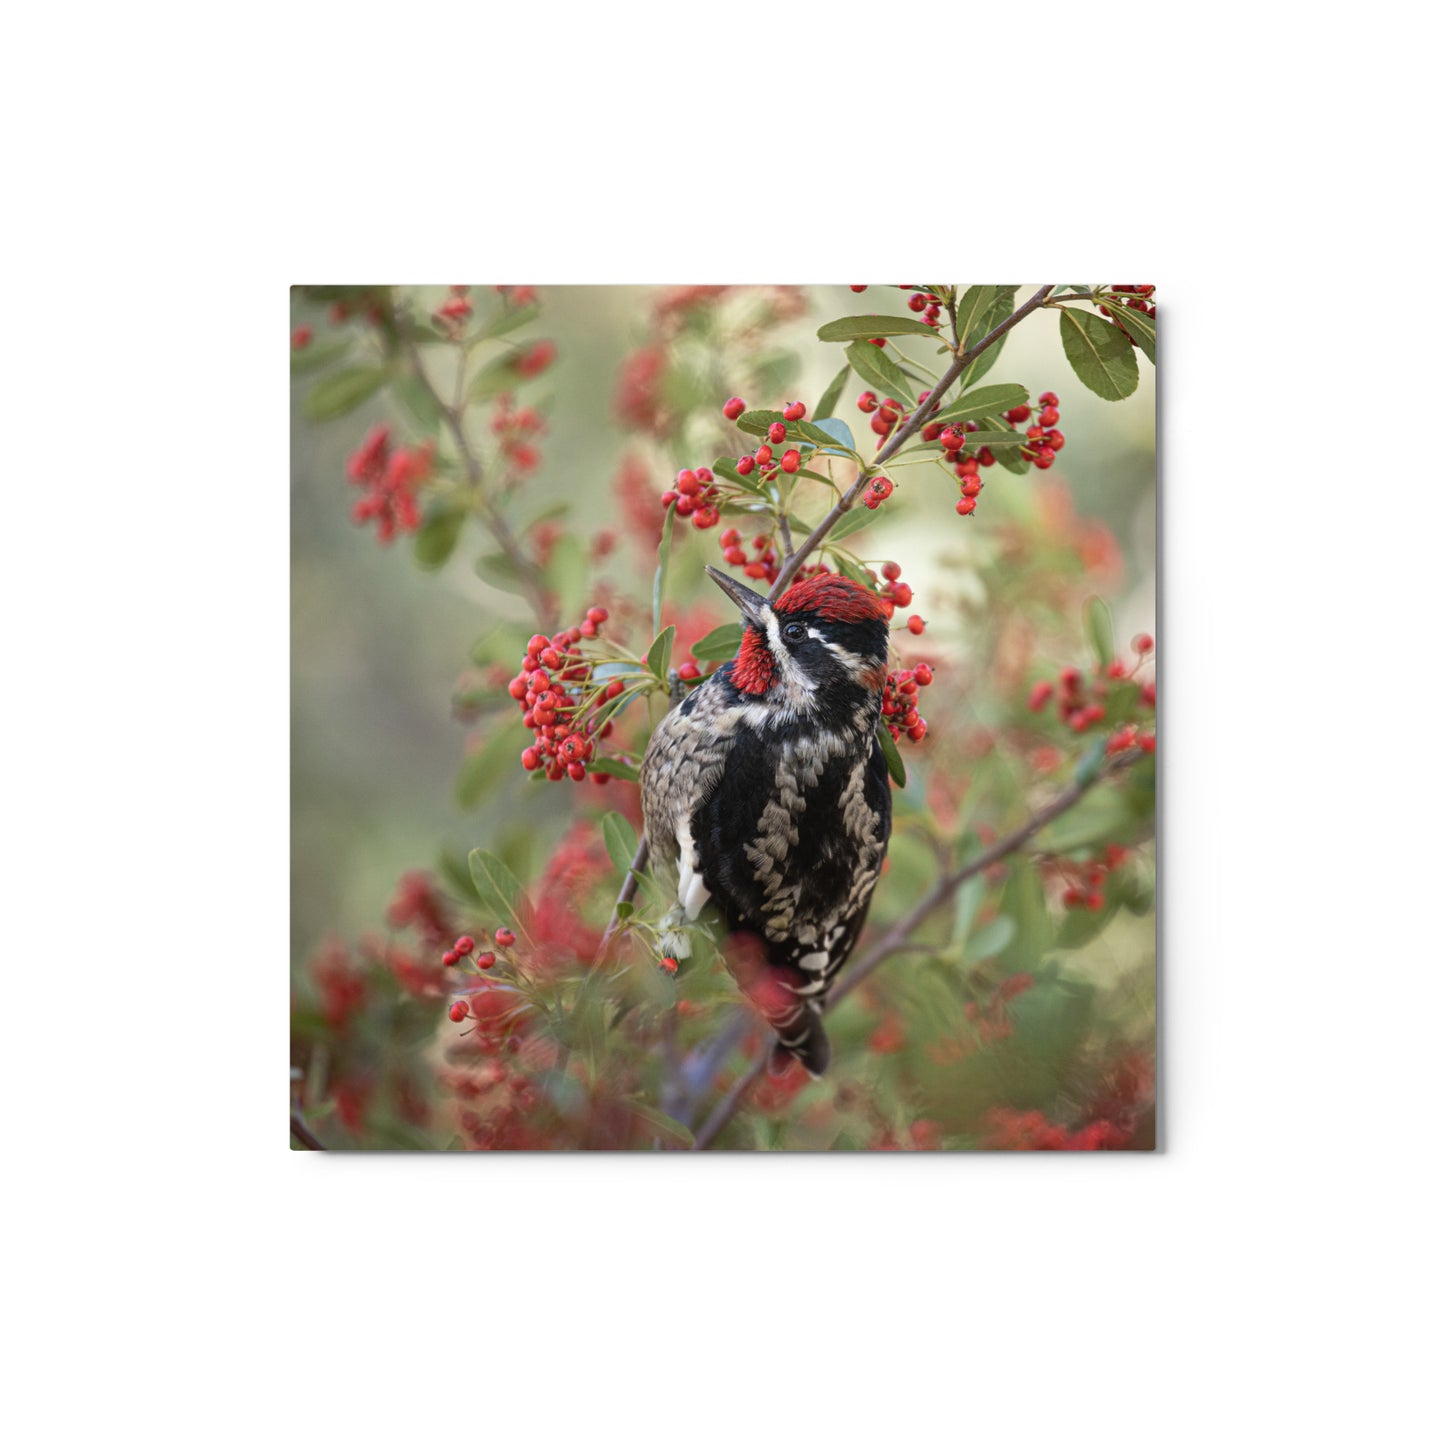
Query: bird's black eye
(795, 632)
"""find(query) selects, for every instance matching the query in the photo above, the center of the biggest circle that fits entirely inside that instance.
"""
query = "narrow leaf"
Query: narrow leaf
(720, 644)
(621, 841)
(828, 402)
(850, 522)
(511, 319)
(983, 401)
(892, 756)
(664, 556)
(1100, 353)
(320, 354)
(614, 768)
(853, 328)
(485, 767)
(1100, 628)
(437, 539)
(344, 391)
(496, 885)
(876, 369)
(1140, 325)
(659, 655)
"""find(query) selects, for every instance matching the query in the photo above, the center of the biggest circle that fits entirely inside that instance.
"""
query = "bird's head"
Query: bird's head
(818, 646)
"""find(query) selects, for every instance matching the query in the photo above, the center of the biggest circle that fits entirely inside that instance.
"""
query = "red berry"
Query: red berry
(450, 957)
(301, 338)
(971, 486)
(776, 432)
(902, 592)
(1045, 459)
(1048, 398)
(745, 465)
(877, 341)
(965, 505)
(688, 484)
(457, 1012)
(1018, 413)
(734, 407)
(486, 960)
(597, 615)
(669, 965)
(465, 944)
(868, 401)
(790, 461)
(795, 411)
(915, 626)
(1143, 643)
(923, 674)
(763, 455)
(505, 938)
(1049, 416)
(1039, 694)
(857, 288)
(892, 571)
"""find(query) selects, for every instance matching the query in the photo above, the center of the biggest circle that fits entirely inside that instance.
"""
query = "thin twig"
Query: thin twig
(492, 519)
(897, 935)
(892, 447)
(304, 1136)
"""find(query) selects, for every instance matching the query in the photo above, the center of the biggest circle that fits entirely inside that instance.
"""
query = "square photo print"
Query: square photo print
(723, 717)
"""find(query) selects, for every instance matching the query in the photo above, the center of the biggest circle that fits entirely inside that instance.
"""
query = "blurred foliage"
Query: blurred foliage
(1024, 1016)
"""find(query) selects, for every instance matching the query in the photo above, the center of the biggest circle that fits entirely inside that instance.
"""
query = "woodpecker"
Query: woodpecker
(768, 790)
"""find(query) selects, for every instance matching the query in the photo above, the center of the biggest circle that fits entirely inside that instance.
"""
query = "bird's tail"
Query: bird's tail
(803, 1039)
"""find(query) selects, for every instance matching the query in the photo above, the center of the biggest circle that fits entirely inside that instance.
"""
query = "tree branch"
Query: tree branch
(492, 519)
(303, 1135)
(895, 443)
(896, 936)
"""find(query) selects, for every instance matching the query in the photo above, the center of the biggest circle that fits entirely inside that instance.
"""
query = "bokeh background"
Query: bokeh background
(380, 648)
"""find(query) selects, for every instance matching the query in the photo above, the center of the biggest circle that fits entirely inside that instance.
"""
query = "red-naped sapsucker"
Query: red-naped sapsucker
(768, 790)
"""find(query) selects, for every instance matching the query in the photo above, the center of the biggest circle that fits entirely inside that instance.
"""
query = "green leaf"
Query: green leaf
(756, 423)
(720, 644)
(996, 440)
(664, 556)
(1023, 902)
(829, 400)
(663, 1123)
(853, 328)
(437, 539)
(1083, 924)
(497, 569)
(983, 401)
(1140, 325)
(496, 885)
(344, 391)
(614, 768)
(621, 841)
(892, 756)
(510, 320)
(493, 379)
(992, 938)
(878, 370)
(566, 574)
(493, 760)
(850, 522)
(417, 401)
(319, 354)
(849, 568)
(1100, 629)
(992, 305)
(830, 433)
(659, 655)
(1100, 353)
(727, 469)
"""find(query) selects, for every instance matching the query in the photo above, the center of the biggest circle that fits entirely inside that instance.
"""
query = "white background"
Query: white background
(175, 1274)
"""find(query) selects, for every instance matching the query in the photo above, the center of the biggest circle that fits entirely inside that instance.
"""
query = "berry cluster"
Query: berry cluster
(990, 1018)
(696, 494)
(1015, 1129)
(513, 428)
(900, 702)
(927, 303)
(1110, 698)
(1140, 302)
(551, 690)
(894, 592)
(762, 567)
(391, 477)
(1084, 882)
(453, 314)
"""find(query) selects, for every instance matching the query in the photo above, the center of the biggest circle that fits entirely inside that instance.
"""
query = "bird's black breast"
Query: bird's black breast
(791, 840)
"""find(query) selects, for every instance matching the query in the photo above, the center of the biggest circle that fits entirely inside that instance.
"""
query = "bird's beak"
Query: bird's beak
(750, 604)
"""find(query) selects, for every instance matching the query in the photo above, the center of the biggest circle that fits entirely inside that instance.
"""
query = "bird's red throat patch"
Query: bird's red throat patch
(834, 599)
(754, 667)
